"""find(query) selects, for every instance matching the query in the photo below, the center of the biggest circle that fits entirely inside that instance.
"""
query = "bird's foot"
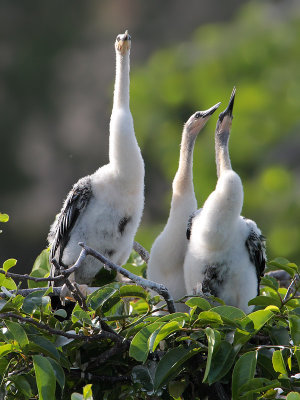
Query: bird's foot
(123, 43)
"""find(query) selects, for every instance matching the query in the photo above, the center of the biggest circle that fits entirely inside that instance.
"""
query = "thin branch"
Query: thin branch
(100, 378)
(103, 335)
(141, 251)
(26, 292)
(290, 289)
(146, 283)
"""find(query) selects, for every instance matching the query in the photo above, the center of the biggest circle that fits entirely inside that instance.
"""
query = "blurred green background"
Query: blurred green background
(56, 86)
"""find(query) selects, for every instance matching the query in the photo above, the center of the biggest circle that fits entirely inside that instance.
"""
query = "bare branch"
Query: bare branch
(141, 251)
(99, 378)
(290, 289)
(146, 283)
(103, 335)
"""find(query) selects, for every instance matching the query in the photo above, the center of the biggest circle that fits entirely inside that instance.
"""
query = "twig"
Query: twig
(103, 335)
(290, 288)
(99, 378)
(146, 283)
(141, 251)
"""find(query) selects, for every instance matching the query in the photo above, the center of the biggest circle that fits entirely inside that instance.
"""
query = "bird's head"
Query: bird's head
(225, 120)
(123, 43)
(197, 121)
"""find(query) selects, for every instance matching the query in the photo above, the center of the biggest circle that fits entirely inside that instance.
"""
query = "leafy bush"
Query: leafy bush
(120, 349)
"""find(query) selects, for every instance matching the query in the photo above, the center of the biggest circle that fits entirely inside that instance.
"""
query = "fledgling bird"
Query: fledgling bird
(226, 252)
(167, 254)
(104, 209)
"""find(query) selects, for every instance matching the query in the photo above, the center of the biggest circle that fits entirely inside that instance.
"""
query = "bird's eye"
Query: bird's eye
(197, 115)
(118, 38)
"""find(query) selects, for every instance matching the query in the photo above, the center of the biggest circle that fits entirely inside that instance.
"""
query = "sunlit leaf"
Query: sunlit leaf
(9, 264)
(213, 340)
(278, 362)
(18, 333)
(4, 217)
(198, 302)
(162, 332)
(294, 323)
(45, 378)
(139, 347)
(243, 371)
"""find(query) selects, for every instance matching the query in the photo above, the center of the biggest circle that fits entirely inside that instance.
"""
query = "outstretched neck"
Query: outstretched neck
(222, 154)
(183, 180)
(121, 92)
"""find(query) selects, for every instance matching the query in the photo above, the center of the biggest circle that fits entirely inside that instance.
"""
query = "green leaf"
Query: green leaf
(18, 333)
(96, 299)
(76, 396)
(278, 362)
(265, 301)
(4, 217)
(80, 315)
(40, 344)
(45, 378)
(139, 348)
(243, 371)
(9, 264)
(269, 281)
(198, 302)
(87, 392)
(61, 313)
(162, 332)
(133, 291)
(7, 283)
(260, 318)
(213, 339)
(229, 314)
(141, 374)
(177, 315)
(35, 300)
(209, 317)
(257, 385)
(293, 396)
(170, 364)
(297, 355)
(58, 372)
(22, 384)
(5, 349)
(222, 361)
(294, 323)
(283, 263)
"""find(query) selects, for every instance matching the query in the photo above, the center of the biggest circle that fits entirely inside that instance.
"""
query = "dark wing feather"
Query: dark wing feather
(190, 223)
(256, 245)
(73, 206)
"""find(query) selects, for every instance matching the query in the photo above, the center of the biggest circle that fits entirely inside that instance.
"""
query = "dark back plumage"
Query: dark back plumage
(74, 204)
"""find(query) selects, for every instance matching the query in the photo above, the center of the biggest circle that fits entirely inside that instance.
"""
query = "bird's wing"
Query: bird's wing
(190, 223)
(74, 204)
(256, 245)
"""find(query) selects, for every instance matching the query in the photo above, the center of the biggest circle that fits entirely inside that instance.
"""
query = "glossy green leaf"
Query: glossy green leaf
(293, 396)
(178, 316)
(40, 269)
(278, 362)
(22, 384)
(41, 344)
(269, 281)
(18, 333)
(294, 323)
(222, 361)
(5, 349)
(243, 371)
(87, 392)
(45, 378)
(257, 385)
(198, 302)
(139, 347)
(282, 263)
(133, 291)
(4, 217)
(213, 340)
(265, 301)
(162, 332)
(58, 372)
(141, 374)
(7, 283)
(9, 264)
(35, 300)
(209, 317)
(229, 314)
(171, 364)
(60, 313)
(99, 297)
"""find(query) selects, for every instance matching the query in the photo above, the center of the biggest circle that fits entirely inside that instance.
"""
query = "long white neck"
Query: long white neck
(183, 198)
(221, 211)
(124, 152)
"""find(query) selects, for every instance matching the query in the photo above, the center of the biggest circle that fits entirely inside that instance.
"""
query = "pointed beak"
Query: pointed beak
(228, 111)
(210, 111)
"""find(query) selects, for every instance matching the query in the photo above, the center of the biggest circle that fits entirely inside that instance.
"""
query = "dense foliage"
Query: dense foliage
(120, 349)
